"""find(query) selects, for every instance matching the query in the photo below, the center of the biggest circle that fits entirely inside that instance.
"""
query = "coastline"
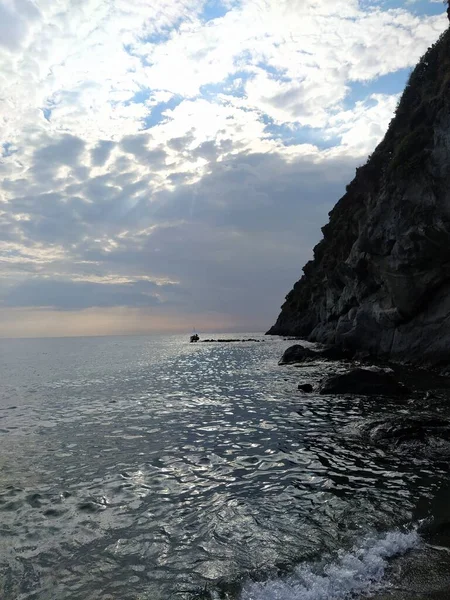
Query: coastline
(421, 573)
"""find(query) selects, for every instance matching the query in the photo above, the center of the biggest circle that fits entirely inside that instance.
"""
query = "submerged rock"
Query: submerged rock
(432, 431)
(305, 387)
(93, 505)
(367, 382)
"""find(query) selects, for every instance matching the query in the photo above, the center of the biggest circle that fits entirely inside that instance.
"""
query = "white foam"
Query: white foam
(353, 572)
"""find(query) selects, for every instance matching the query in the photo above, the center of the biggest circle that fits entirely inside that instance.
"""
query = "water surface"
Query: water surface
(151, 468)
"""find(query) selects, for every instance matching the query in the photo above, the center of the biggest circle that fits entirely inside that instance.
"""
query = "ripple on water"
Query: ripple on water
(149, 468)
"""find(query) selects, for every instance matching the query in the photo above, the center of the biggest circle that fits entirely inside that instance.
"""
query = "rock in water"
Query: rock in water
(365, 382)
(299, 354)
(380, 278)
(421, 434)
(296, 354)
(409, 428)
(305, 387)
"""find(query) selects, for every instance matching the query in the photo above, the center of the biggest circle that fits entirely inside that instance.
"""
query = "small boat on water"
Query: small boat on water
(194, 338)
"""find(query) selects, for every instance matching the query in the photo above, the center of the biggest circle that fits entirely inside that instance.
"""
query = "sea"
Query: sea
(137, 468)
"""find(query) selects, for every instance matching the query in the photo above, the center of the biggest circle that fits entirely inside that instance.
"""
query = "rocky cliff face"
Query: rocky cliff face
(380, 278)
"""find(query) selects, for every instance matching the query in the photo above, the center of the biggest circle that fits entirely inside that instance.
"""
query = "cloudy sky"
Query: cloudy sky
(167, 164)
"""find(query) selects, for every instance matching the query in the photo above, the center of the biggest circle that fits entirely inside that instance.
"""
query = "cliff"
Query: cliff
(380, 277)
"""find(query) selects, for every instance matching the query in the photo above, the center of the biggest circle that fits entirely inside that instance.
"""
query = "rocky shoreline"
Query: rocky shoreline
(379, 280)
(377, 295)
(420, 424)
(419, 427)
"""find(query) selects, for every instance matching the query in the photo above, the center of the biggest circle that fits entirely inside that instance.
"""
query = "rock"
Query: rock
(366, 382)
(93, 505)
(299, 354)
(305, 387)
(362, 355)
(336, 353)
(437, 530)
(35, 500)
(296, 354)
(53, 512)
(379, 282)
(424, 429)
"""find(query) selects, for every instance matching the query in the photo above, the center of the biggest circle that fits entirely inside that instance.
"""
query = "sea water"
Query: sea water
(151, 468)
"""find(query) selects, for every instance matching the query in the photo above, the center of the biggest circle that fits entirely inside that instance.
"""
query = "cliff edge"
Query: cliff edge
(380, 277)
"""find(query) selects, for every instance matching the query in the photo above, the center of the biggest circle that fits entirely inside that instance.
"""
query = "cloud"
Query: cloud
(137, 145)
(359, 128)
(67, 151)
(80, 295)
(165, 157)
(101, 152)
(16, 19)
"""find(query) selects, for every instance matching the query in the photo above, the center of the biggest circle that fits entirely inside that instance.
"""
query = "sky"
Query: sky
(168, 164)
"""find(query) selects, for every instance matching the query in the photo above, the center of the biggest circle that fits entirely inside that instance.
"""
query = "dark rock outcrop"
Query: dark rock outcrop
(305, 387)
(299, 354)
(336, 353)
(296, 354)
(365, 382)
(407, 429)
(380, 278)
(423, 433)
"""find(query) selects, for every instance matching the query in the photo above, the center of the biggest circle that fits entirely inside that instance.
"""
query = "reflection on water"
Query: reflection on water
(154, 468)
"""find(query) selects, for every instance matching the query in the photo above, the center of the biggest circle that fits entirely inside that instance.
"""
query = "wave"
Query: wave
(361, 569)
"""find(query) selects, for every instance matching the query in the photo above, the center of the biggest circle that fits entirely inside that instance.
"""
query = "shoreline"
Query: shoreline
(422, 573)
